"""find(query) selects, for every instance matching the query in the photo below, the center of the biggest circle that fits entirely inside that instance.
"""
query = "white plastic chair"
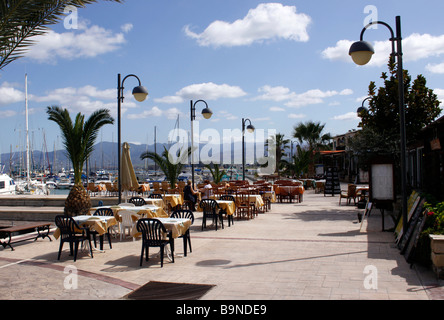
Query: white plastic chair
(127, 222)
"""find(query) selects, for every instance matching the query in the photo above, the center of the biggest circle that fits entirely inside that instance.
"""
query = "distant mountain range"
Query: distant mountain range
(104, 156)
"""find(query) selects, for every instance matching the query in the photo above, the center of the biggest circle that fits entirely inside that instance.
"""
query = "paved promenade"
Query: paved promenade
(312, 250)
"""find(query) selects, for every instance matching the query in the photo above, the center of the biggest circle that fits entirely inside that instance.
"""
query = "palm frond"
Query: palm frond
(78, 137)
(20, 20)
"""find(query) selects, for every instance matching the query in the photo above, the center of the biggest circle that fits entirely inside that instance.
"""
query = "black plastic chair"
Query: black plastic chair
(155, 196)
(137, 201)
(210, 210)
(70, 232)
(185, 214)
(153, 235)
(229, 217)
(103, 212)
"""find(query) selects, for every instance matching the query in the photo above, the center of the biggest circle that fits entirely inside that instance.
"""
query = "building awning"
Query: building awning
(330, 152)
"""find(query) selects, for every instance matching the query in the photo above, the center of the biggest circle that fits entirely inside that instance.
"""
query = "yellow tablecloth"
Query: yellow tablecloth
(227, 205)
(146, 211)
(270, 195)
(255, 199)
(154, 201)
(173, 199)
(95, 223)
(177, 226)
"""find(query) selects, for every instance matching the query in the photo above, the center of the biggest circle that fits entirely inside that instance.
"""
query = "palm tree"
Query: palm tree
(311, 133)
(216, 173)
(78, 139)
(170, 167)
(21, 20)
(281, 144)
(300, 163)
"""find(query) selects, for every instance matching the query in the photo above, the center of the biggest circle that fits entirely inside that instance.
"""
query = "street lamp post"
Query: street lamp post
(206, 113)
(140, 93)
(250, 129)
(361, 53)
(362, 108)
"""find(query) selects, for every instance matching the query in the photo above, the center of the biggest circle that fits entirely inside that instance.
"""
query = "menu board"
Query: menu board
(382, 182)
(332, 185)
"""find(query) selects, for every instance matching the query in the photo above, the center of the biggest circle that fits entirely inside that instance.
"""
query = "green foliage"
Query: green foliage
(170, 164)
(216, 173)
(421, 106)
(435, 219)
(434, 224)
(21, 20)
(380, 134)
(300, 162)
(311, 133)
(79, 137)
(281, 144)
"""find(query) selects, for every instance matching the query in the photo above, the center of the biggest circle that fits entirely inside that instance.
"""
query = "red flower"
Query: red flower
(430, 213)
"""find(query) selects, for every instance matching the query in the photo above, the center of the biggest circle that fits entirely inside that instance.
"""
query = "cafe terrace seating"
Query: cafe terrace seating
(243, 205)
(153, 232)
(211, 210)
(229, 217)
(128, 222)
(155, 196)
(71, 232)
(348, 194)
(137, 201)
(103, 212)
(185, 214)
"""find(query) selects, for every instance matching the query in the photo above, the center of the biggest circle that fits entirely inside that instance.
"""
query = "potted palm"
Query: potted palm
(170, 165)
(216, 173)
(78, 140)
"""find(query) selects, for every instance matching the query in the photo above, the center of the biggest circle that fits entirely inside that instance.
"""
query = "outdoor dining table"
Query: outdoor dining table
(291, 190)
(255, 199)
(100, 224)
(269, 195)
(227, 205)
(173, 199)
(155, 201)
(177, 226)
(145, 211)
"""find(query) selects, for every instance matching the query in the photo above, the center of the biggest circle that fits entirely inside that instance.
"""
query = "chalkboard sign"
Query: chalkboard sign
(415, 218)
(332, 185)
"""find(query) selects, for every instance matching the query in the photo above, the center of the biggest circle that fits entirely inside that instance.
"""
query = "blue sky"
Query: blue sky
(275, 63)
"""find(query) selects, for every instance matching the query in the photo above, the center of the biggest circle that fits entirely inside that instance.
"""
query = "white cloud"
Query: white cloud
(84, 99)
(435, 68)
(296, 116)
(127, 27)
(85, 42)
(314, 96)
(7, 114)
(9, 94)
(267, 21)
(347, 116)
(440, 94)
(415, 47)
(278, 93)
(208, 91)
(155, 111)
(277, 109)
(309, 97)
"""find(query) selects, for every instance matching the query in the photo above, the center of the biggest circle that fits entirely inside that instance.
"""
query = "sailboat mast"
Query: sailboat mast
(28, 177)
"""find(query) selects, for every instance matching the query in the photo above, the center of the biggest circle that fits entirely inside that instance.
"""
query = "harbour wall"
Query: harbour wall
(39, 208)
